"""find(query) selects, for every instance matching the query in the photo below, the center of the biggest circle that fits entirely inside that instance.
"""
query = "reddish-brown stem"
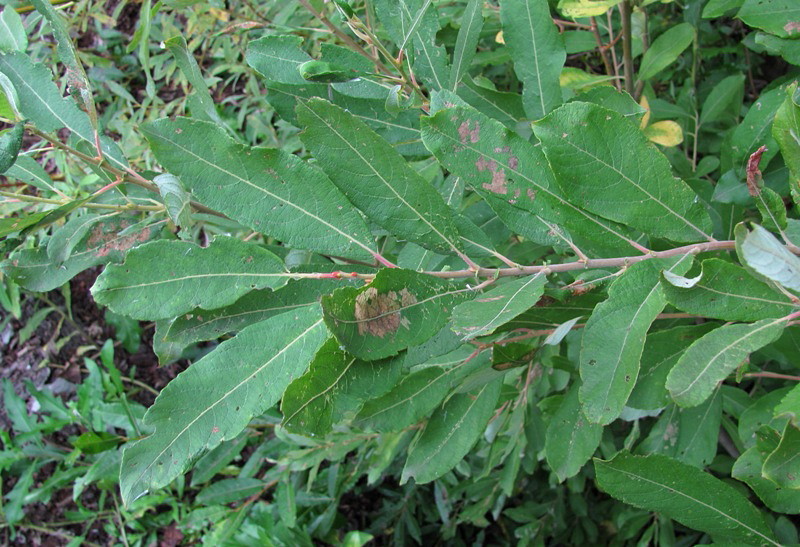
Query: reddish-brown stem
(771, 375)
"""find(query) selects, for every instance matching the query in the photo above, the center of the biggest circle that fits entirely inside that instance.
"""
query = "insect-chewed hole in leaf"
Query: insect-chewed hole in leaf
(379, 314)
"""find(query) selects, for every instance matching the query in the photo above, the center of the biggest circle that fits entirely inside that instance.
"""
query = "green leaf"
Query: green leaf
(28, 170)
(571, 439)
(662, 349)
(201, 325)
(229, 490)
(538, 53)
(779, 17)
(400, 308)
(375, 178)
(416, 22)
(683, 493)
(200, 101)
(718, 8)
(267, 190)
(418, 393)
(451, 432)
(466, 41)
(585, 8)
(12, 32)
(513, 177)
(277, 58)
(783, 465)
(162, 279)
(724, 100)
(64, 240)
(503, 106)
(42, 103)
(728, 292)
(761, 251)
(95, 443)
(614, 337)
(689, 435)
(713, 357)
(665, 50)
(754, 131)
(625, 179)
(201, 407)
(107, 241)
(497, 306)
(786, 132)
(10, 143)
(335, 384)
(748, 470)
(77, 83)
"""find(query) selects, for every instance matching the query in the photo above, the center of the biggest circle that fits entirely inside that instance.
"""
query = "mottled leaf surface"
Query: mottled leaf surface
(166, 278)
(625, 179)
(512, 176)
(201, 407)
(686, 494)
(268, 190)
(400, 308)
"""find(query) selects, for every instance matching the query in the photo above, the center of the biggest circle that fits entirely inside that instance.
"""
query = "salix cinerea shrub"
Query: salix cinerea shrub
(488, 281)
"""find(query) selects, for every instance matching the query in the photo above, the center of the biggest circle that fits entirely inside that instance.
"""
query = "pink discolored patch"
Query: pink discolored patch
(467, 134)
(792, 27)
(498, 184)
(513, 162)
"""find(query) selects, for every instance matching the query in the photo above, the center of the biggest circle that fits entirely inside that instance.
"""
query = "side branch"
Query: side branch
(592, 263)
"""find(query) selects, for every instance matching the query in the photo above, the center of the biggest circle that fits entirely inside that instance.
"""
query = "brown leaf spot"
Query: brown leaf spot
(531, 193)
(112, 242)
(379, 314)
(483, 164)
(513, 162)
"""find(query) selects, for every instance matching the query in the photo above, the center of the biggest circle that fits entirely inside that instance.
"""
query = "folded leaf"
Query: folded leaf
(713, 357)
(538, 53)
(165, 278)
(267, 190)
(376, 178)
(625, 179)
(748, 470)
(202, 407)
(400, 308)
(684, 493)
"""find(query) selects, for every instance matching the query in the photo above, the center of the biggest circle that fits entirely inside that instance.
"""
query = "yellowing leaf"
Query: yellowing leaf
(644, 103)
(499, 38)
(580, 80)
(665, 133)
(585, 8)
